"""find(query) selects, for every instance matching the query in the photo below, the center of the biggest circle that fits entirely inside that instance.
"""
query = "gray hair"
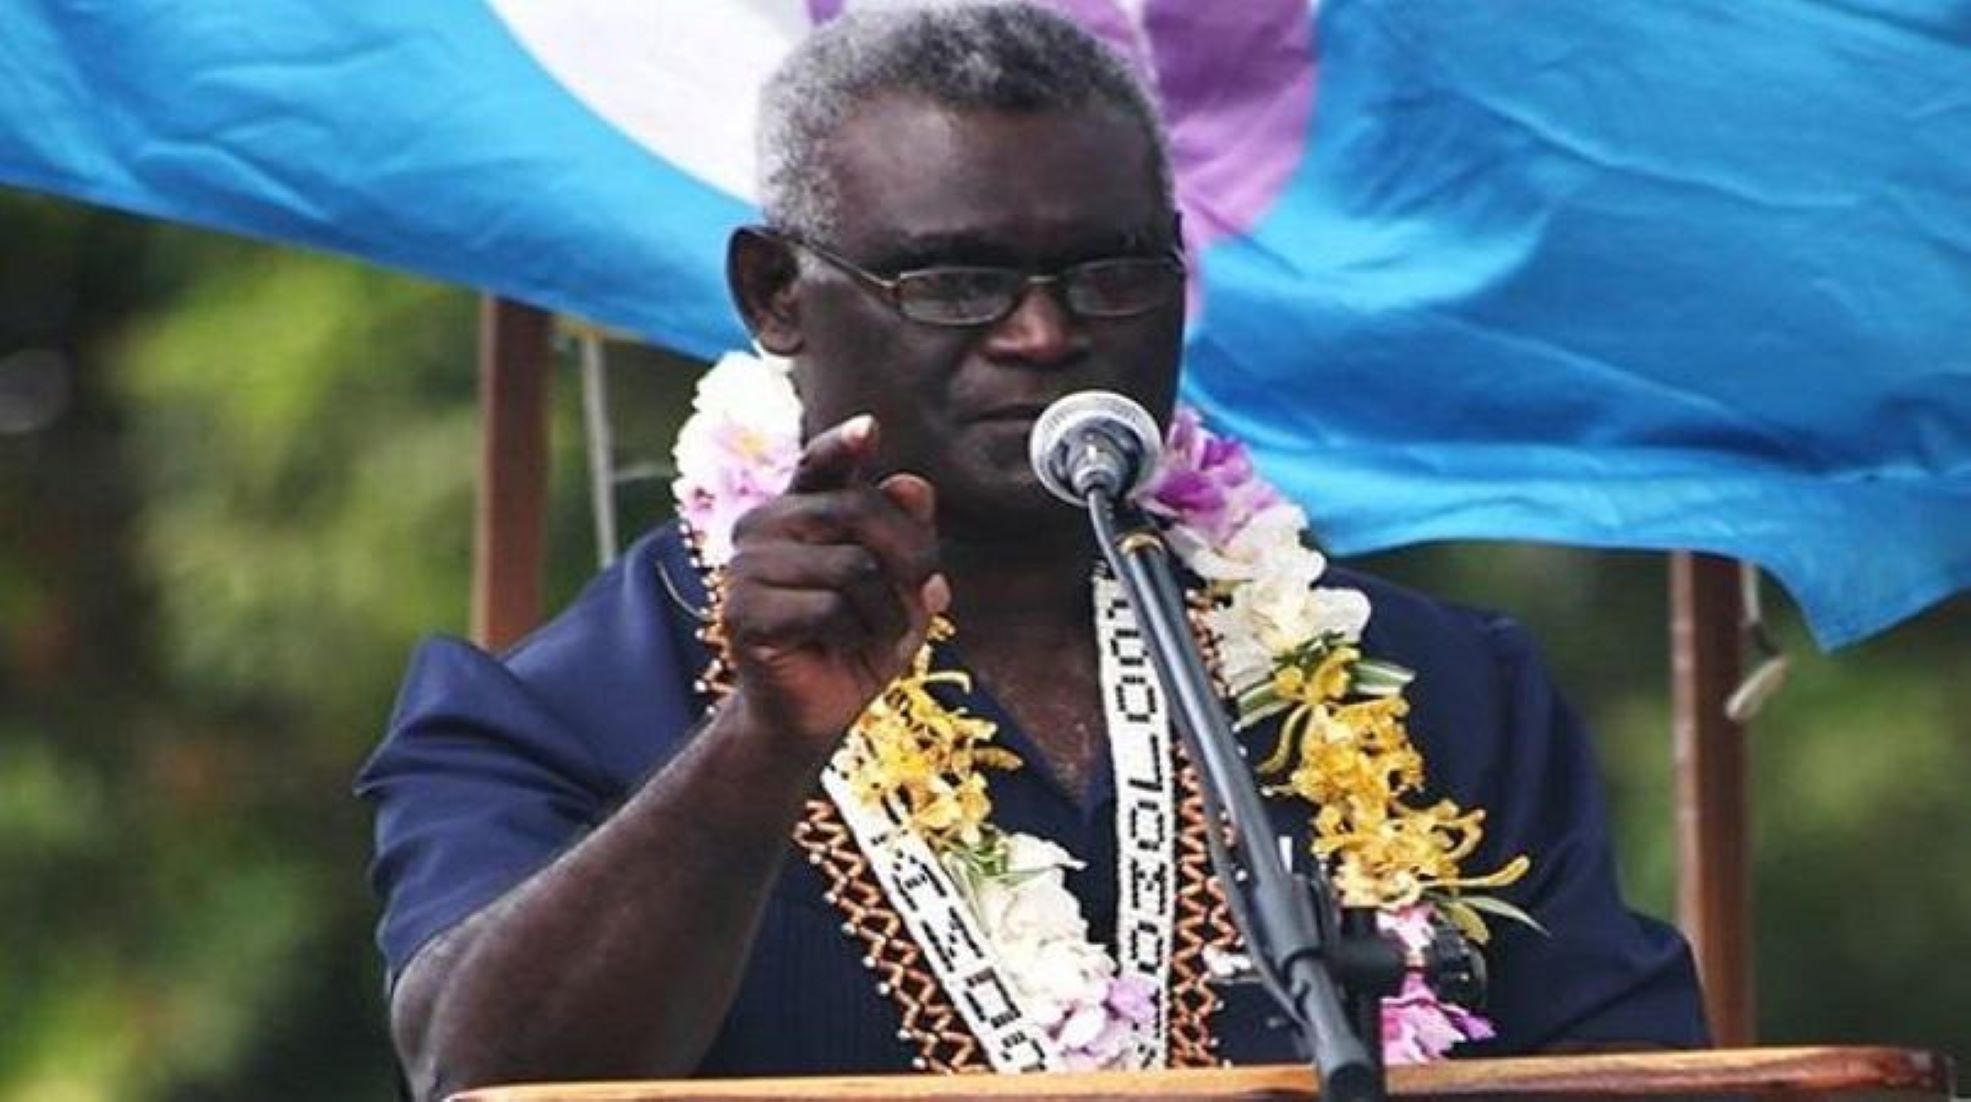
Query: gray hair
(997, 56)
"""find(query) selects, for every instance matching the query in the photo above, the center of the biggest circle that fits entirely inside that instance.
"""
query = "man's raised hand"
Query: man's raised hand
(831, 588)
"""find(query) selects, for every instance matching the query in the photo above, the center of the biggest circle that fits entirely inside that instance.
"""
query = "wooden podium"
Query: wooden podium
(1766, 1073)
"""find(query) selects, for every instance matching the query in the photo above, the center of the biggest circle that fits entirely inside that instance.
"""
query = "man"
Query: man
(586, 859)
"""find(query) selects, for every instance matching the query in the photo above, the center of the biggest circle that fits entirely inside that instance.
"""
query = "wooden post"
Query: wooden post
(1713, 826)
(509, 532)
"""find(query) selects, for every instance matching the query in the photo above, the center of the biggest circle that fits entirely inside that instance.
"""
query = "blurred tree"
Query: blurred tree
(214, 561)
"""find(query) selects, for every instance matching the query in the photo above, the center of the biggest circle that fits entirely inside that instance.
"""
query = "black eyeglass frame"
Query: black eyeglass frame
(891, 288)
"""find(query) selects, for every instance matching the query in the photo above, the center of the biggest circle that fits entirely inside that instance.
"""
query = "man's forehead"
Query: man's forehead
(909, 173)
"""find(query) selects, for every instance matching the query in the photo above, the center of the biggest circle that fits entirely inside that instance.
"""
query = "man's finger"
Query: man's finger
(848, 569)
(928, 601)
(936, 595)
(914, 495)
(831, 460)
(780, 621)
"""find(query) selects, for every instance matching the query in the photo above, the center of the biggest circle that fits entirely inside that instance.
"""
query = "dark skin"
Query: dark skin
(956, 405)
(913, 497)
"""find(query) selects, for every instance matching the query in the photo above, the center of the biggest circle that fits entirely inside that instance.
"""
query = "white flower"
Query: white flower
(1084, 1027)
(1054, 977)
(1242, 661)
(1030, 903)
(738, 448)
(1342, 612)
(1038, 933)
(1278, 609)
(1270, 542)
(1026, 853)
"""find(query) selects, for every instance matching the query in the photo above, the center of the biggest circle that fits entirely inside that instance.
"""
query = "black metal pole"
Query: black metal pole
(1279, 922)
(1358, 924)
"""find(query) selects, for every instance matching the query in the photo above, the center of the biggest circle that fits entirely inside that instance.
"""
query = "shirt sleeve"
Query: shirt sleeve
(475, 786)
(493, 765)
(1599, 972)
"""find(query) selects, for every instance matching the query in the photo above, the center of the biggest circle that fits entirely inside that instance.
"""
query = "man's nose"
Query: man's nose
(1040, 330)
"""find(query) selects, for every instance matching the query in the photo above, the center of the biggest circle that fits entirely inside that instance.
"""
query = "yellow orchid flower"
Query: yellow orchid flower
(909, 747)
(1351, 757)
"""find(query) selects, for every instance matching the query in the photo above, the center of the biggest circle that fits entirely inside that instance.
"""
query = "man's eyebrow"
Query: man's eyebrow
(920, 250)
(1141, 240)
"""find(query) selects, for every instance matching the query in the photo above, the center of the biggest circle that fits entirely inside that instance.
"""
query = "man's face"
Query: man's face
(922, 186)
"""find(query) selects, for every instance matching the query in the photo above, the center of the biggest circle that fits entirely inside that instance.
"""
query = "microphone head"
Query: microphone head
(1096, 434)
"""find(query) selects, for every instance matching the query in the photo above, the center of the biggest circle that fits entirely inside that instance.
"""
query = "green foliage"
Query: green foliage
(214, 565)
(1863, 835)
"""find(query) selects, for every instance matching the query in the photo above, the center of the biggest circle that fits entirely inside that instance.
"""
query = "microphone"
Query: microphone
(1094, 440)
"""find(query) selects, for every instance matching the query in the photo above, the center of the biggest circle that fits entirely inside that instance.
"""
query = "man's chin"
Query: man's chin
(1009, 509)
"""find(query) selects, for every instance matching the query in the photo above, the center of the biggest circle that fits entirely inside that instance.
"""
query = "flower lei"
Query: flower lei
(1285, 647)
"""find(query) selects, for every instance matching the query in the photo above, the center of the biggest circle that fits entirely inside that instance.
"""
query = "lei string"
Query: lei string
(1285, 646)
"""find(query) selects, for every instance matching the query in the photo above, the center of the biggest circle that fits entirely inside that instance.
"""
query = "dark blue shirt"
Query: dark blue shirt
(493, 766)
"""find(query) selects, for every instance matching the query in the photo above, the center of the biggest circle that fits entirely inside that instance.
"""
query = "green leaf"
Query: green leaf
(1493, 905)
(1469, 922)
(1372, 677)
(1252, 717)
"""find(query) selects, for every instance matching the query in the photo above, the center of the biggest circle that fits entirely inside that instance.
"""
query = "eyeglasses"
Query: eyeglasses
(963, 295)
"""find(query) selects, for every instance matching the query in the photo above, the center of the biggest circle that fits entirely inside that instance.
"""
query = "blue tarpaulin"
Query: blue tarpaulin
(1621, 274)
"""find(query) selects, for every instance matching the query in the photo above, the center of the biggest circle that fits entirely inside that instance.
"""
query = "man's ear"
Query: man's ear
(760, 272)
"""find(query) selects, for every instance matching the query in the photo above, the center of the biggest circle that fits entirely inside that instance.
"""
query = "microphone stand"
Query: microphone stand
(1305, 957)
